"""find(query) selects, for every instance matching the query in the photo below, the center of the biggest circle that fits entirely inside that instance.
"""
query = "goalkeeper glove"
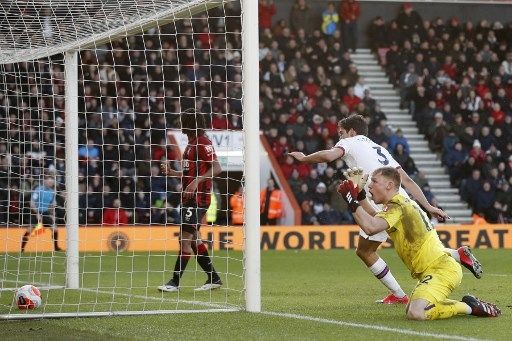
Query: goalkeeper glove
(358, 179)
(349, 192)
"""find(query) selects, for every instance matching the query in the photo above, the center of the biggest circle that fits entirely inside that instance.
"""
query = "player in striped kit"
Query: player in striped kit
(357, 150)
(199, 166)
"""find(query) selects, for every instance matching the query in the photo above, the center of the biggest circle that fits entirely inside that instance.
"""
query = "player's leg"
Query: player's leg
(465, 257)
(367, 251)
(203, 258)
(24, 239)
(33, 221)
(49, 220)
(429, 299)
(186, 238)
(421, 309)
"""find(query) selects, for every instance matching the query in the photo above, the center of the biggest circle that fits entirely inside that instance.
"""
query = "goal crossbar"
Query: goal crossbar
(86, 36)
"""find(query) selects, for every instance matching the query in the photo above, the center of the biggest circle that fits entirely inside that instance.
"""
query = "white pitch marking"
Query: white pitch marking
(370, 326)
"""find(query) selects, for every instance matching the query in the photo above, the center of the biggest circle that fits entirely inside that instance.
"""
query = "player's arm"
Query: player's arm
(166, 168)
(417, 193)
(206, 155)
(365, 204)
(326, 155)
(368, 223)
(213, 171)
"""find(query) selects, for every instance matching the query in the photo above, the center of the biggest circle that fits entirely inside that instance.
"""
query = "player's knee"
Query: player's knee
(186, 245)
(363, 253)
(415, 314)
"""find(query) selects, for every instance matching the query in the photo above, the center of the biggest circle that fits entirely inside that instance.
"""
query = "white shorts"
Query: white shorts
(378, 237)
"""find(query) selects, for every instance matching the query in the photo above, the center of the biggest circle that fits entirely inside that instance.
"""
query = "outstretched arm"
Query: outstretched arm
(417, 193)
(327, 155)
(370, 225)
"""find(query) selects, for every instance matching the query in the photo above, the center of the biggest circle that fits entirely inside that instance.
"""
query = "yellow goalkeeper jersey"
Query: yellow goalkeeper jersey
(414, 237)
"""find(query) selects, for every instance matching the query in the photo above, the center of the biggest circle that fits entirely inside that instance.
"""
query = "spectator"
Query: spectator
(437, 132)
(408, 19)
(237, 207)
(271, 206)
(361, 87)
(266, 10)
(330, 19)
(454, 160)
(115, 215)
(319, 198)
(350, 11)
(89, 151)
(484, 200)
(477, 153)
(308, 218)
(403, 158)
(407, 80)
(377, 33)
(471, 187)
(301, 17)
(329, 216)
(350, 99)
(398, 138)
(502, 206)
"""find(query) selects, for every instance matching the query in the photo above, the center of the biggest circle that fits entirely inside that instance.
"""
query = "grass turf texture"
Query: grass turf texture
(332, 285)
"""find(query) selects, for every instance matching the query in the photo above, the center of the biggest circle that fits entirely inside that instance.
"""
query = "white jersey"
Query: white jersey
(360, 151)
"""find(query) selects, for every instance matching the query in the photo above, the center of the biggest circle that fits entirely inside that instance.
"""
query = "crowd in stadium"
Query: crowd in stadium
(128, 100)
(455, 78)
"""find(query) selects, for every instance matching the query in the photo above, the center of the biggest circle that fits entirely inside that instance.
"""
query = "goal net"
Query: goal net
(90, 99)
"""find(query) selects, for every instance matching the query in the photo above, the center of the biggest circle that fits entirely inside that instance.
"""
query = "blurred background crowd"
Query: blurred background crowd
(454, 77)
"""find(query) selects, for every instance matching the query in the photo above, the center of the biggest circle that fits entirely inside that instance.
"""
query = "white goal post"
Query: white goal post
(41, 62)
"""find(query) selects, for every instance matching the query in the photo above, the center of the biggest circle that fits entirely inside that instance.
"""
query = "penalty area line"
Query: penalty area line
(369, 326)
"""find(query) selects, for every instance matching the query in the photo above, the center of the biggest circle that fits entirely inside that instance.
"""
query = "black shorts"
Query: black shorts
(48, 220)
(191, 217)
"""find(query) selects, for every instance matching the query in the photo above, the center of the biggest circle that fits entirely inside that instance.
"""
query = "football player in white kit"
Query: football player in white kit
(357, 150)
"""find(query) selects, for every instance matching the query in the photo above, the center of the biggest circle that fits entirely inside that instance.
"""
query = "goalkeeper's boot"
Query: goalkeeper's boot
(171, 286)
(211, 284)
(469, 261)
(392, 299)
(481, 308)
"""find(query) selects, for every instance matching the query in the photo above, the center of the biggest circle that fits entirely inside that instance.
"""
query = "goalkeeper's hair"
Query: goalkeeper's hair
(390, 173)
(356, 122)
(192, 122)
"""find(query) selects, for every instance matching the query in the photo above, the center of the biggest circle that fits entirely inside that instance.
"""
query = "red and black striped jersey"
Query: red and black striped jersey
(198, 157)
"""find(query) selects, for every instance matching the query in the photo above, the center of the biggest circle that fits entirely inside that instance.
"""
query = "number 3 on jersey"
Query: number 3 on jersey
(382, 158)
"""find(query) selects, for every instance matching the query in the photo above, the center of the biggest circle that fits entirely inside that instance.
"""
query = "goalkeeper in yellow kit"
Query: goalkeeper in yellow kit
(416, 243)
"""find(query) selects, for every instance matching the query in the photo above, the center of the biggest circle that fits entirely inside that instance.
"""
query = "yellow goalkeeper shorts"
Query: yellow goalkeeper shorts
(438, 281)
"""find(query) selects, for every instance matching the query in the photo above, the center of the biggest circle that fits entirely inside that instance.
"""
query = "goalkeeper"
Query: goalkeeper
(199, 166)
(42, 212)
(416, 243)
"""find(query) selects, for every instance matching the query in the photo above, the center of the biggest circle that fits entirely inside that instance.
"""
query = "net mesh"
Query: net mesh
(131, 89)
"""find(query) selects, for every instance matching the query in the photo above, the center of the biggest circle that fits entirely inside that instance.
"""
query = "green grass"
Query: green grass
(332, 285)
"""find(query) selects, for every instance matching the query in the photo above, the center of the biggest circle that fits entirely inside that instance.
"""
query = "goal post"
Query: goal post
(252, 152)
(63, 89)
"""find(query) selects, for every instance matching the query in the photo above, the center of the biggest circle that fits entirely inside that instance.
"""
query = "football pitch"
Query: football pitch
(324, 294)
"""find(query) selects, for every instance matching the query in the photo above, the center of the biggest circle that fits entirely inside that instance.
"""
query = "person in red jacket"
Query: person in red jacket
(115, 215)
(351, 100)
(266, 10)
(350, 11)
